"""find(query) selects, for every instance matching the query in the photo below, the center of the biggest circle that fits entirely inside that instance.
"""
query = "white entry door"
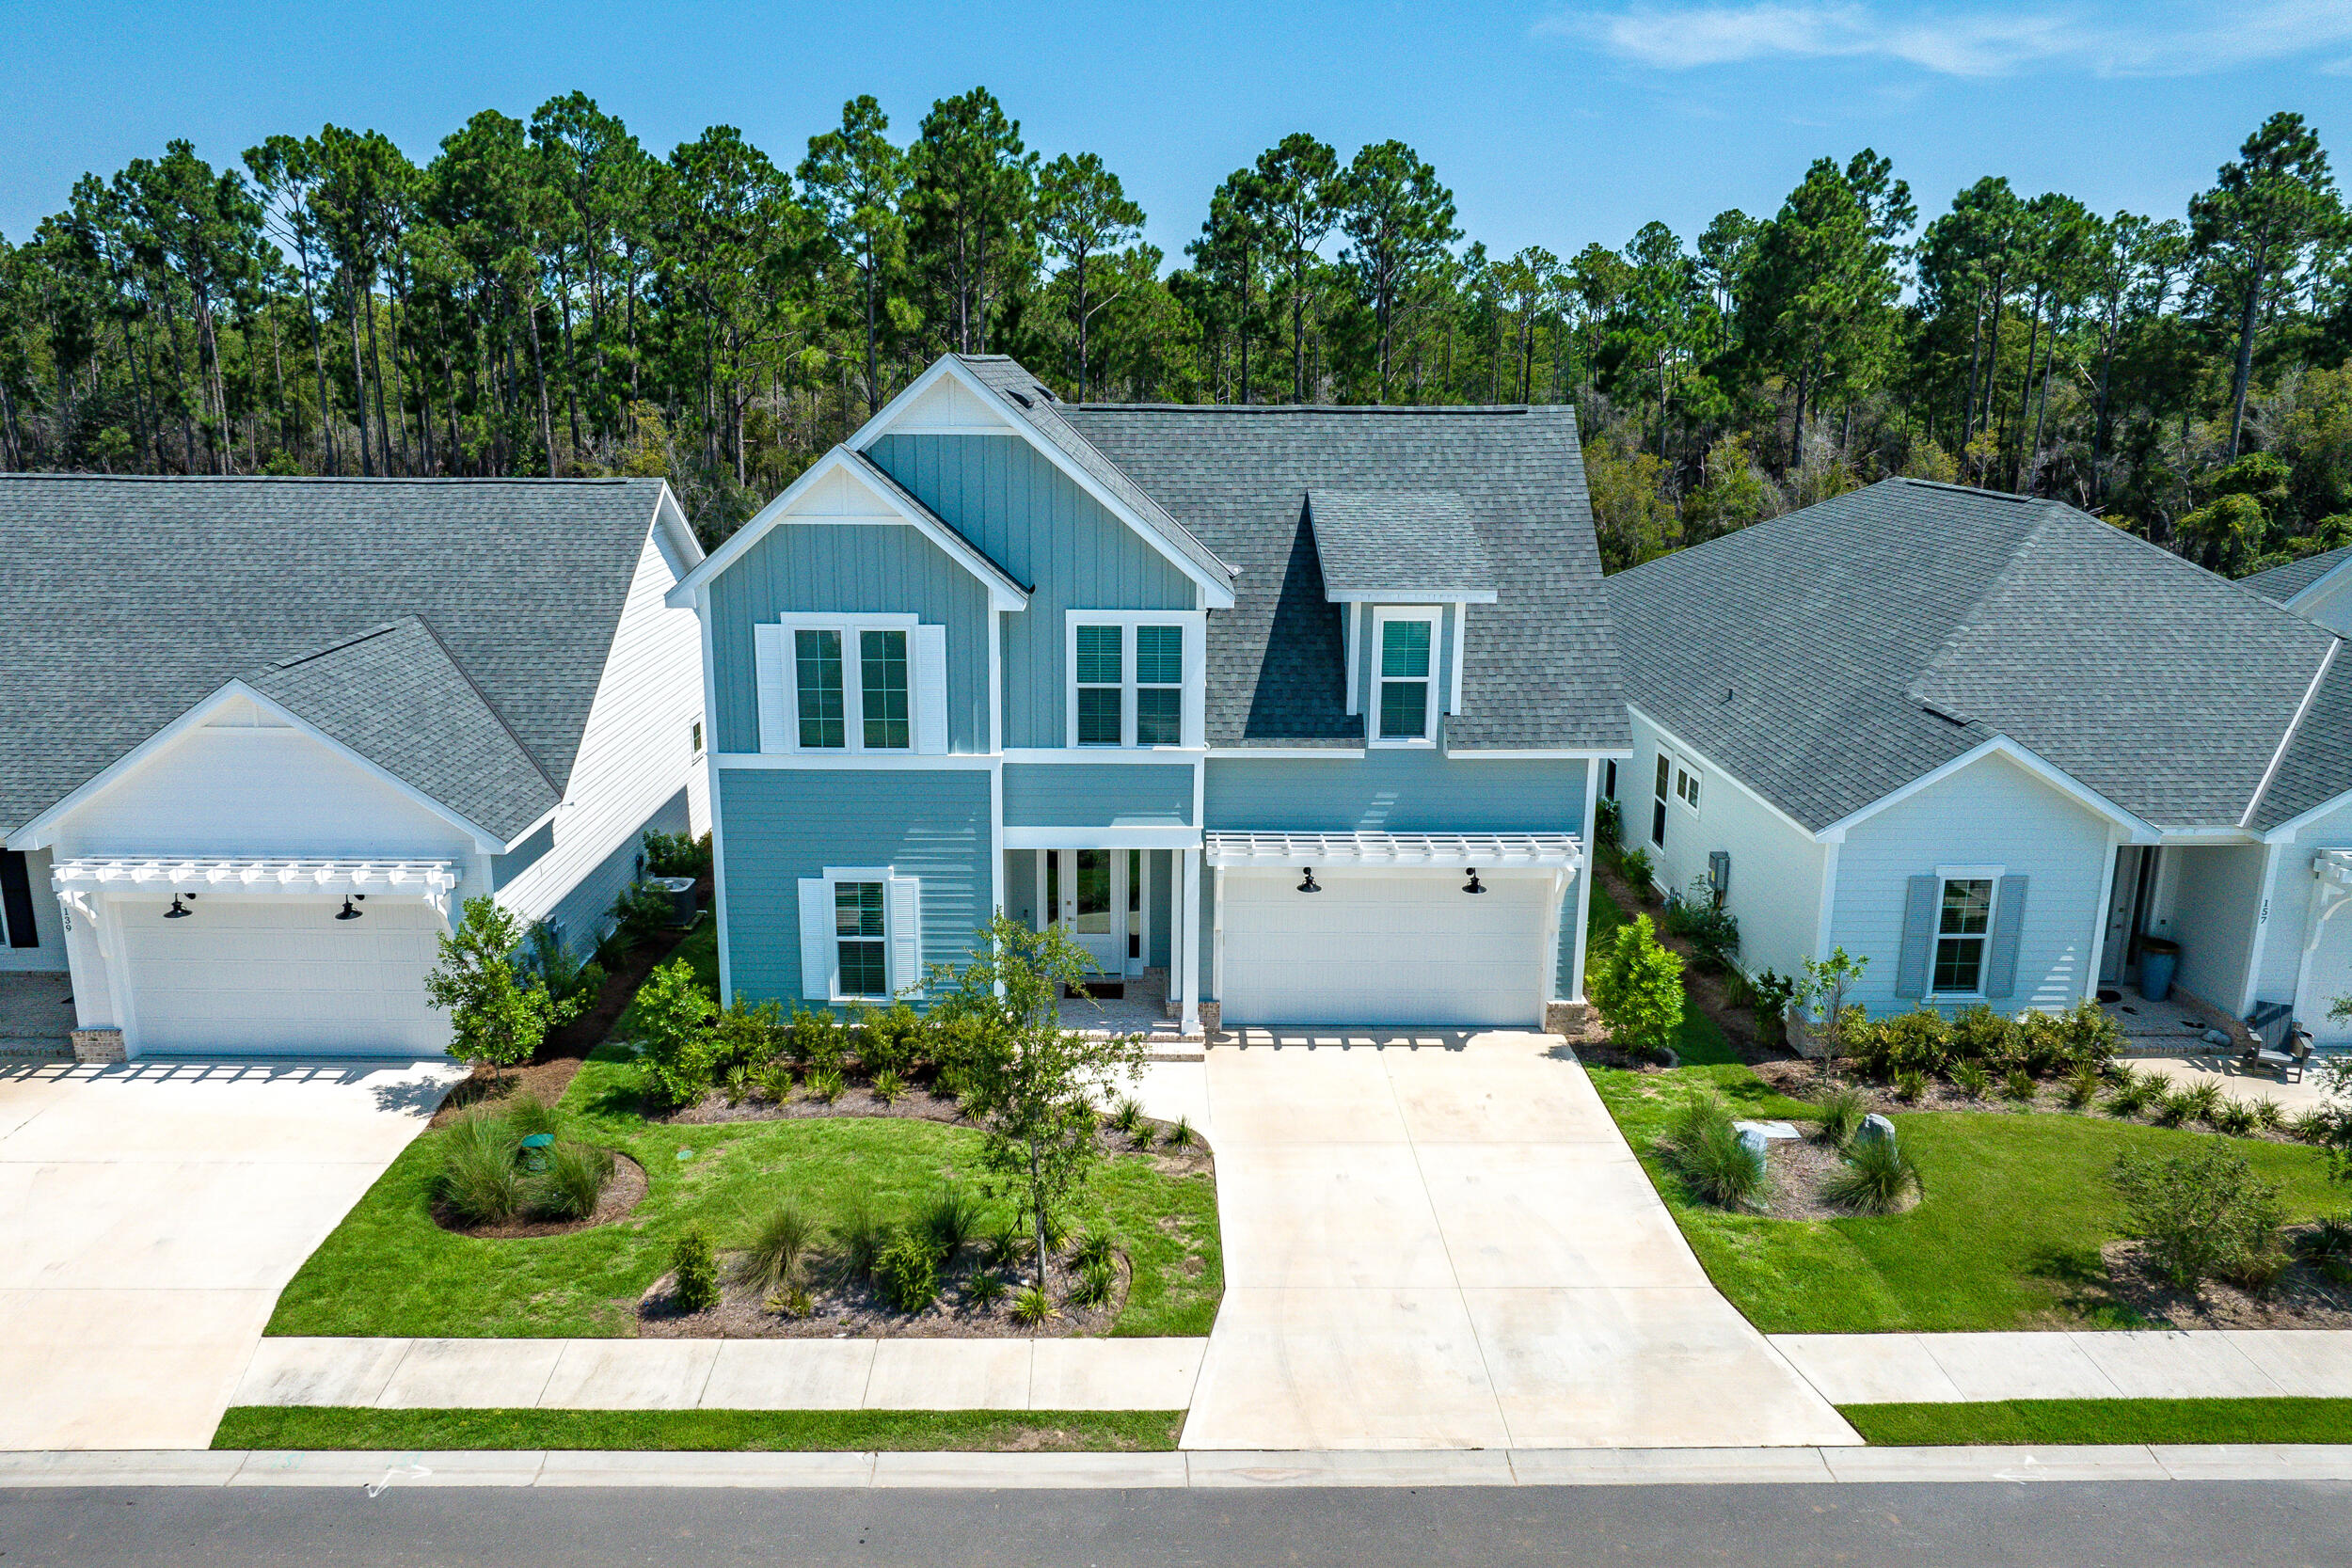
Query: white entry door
(1086, 890)
(257, 977)
(1385, 948)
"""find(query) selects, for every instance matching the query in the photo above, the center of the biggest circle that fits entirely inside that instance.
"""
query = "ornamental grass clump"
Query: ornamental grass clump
(1720, 1168)
(861, 1235)
(949, 1219)
(1911, 1085)
(2173, 1108)
(1973, 1078)
(2082, 1088)
(1878, 1177)
(479, 1180)
(2019, 1088)
(779, 1244)
(2234, 1117)
(577, 1176)
(2202, 1100)
(986, 1290)
(1031, 1307)
(1841, 1115)
(1096, 1282)
(1126, 1118)
(2134, 1092)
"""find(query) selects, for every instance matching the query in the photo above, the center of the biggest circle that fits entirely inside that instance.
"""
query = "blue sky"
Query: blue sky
(1554, 123)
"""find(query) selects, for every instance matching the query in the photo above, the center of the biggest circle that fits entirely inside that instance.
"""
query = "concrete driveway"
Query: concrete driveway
(1444, 1242)
(149, 1216)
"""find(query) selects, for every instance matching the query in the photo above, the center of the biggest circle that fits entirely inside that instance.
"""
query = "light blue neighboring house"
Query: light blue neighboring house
(1995, 746)
(1298, 712)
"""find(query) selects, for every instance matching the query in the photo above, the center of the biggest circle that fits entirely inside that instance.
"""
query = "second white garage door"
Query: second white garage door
(1391, 948)
(255, 976)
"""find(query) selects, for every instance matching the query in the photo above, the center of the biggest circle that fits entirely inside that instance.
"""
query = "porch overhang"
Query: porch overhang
(432, 881)
(2334, 867)
(1487, 851)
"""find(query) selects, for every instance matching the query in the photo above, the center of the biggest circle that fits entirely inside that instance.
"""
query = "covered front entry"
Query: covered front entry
(1388, 929)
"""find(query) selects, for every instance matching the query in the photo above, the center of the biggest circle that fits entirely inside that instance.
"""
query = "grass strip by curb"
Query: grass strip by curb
(260, 1426)
(2091, 1421)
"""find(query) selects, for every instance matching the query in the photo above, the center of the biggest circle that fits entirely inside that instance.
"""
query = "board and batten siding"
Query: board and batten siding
(783, 824)
(846, 569)
(1098, 794)
(636, 765)
(1775, 866)
(1004, 496)
(1991, 812)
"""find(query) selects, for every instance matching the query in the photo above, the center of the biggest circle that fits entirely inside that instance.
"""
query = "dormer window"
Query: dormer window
(1135, 677)
(1405, 701)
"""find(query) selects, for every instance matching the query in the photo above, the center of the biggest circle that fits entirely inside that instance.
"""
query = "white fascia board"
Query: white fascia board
(1617, 753)
(2296, 824)
(1050, 755)
(1412, 596)
(1290, 753)
(2294, 725)
(2137, 831)
(1148, 836)
(669, 519)
(41, 829)
(1216, 593)
(1003, 594)
(1704, 760)
(855, 761)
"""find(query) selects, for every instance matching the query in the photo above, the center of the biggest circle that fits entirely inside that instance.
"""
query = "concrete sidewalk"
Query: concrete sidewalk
(1826, 1466)
(2197, 1364)
(725, 1375)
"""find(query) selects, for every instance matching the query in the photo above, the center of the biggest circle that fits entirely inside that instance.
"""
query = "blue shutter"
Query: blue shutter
(2009, 924)
(1920, 910)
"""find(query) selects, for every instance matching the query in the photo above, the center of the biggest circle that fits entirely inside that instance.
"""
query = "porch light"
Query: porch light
(1309, 885)
(178, 910)
(349, 913)
(1474, 885)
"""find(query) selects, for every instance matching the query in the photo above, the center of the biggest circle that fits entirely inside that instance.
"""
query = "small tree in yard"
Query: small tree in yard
(1638, 989)
(672, 1016)
(1029, 1085)
(1822, 995)
(2204, 1213)
(498, 1015)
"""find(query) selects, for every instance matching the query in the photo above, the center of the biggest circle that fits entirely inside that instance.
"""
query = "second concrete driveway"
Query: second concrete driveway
(149, 1216)
(1445, 1242)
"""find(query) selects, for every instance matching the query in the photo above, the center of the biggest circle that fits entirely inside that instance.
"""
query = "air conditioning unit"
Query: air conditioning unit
(1719, 873)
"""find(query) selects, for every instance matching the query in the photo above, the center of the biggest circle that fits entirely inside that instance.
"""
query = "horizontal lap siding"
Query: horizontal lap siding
(847, 568)
(1097, 795)
(1991, 812)
(1006, 498)
(2216, 898)
(782, 825)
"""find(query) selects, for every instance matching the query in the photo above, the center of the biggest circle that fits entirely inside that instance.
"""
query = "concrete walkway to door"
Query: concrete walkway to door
(1442, 1241)
(150, 1213)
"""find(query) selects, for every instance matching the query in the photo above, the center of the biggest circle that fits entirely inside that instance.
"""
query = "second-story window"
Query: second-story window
(1101, 686)
(850, 685)
(1408, 676)
(824, 723)
(882, 684)
(1159, 685)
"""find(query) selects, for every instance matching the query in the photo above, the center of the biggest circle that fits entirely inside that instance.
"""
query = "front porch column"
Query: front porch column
(1186, 946)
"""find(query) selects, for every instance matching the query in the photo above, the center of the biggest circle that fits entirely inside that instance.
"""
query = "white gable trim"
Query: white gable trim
(2136, 829)
(1216, 591)
(41, 830)
(2319, 584)
(2295, 724)
(828, 470)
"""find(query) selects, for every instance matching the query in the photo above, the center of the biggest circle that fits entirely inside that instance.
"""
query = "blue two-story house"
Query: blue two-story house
(1302, 710)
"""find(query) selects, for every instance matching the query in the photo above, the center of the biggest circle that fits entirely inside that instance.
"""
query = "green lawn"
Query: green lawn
(253, 1426)
(2017, 1208)
(388, 1270)
(2069, 1421)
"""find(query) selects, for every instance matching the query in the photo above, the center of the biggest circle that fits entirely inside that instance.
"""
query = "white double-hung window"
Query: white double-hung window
(861, 934)
(1135, 677)
(1963, 925)
(851, 684)
(1404, 676)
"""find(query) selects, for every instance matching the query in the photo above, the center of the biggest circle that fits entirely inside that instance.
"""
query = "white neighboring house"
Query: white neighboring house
(1994, 745)
(261, 737)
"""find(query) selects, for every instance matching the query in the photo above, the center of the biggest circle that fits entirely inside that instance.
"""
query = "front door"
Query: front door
(2115, 950)
(1089, 894)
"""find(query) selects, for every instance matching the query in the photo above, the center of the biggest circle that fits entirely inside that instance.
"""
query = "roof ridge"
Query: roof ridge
(2286, 740)
(492, 708)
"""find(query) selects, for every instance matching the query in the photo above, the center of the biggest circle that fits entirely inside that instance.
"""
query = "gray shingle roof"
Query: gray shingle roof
(2318, 766)
(2281, 584)
(1540, 670)
(1398, 542)
(1833, 655)
(128, 600)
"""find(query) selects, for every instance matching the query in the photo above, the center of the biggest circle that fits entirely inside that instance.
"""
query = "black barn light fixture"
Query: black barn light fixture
(1474, 885)
(178, 909)
(350, 914)
(1309, 885)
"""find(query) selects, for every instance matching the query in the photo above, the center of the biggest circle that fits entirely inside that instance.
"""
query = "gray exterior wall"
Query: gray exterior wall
(1407, 791)
(847, 568)
(582, 915)
(1001, 494)
(782, 825)
(2215, 899)
(1097, 795)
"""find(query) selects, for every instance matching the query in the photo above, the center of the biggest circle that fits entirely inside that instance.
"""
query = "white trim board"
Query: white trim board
(1140, 837)
(2141, 831)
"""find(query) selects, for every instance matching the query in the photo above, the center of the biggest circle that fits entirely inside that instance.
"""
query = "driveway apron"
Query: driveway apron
(150, 1213)
(1442, 1241)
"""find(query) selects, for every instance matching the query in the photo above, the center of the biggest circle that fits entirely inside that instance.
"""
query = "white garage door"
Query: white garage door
(251, 976)
(1391, 948)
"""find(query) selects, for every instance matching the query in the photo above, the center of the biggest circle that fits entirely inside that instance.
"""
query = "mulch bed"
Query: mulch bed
(1709, 991)
(1800, 1080)
(2301, 1298)
(855, 1309)
(621, 1195)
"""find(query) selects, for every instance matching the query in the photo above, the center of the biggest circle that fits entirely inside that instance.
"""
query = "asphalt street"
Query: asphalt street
(2143, 1525)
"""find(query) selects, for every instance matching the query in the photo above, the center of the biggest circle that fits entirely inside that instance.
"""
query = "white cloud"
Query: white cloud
(2135, 40)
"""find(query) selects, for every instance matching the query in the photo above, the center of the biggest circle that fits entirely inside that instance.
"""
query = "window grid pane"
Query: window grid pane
(1159, 655)
(882, 680)
(1403, 710)
(1958, 963)
(1967, 909)
(1098, 715)
(1099, 659)
(1159, 716)
(1404, 650)
(857, 920)
(817, 654)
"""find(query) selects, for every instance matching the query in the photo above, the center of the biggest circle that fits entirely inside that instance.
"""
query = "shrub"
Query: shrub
(2134, 1092)
(2328, 1247)
(496, 1016)
(2233, 1116)
(2082, 1088)
(1095, 1246)
(950, 1220)
(1971, 1078)
(987, 1288)
(1981, 1034)
(861, 1237)
(889, 1040)
(889, 1087)
(2019, 1085)
(644, 911)
(1919, 1040)
(1639, 870)
(478, 1179)
(2203, 1214)
(676, 854)
(825, 1085)
(1770, 996)
(908, 1273)
(779, 1246)
(1878, 1177)
(673, 1016)
(746, 1037)
(559, 969)
(1127, 1115)
(817, 1037)
(1911, 1085)
(1031, 1307)
(1181, 1134)
(1841, 1116)
(577, 1176)
(1717, 1166)
(698, 1269)
(1607, 821)
(1096, 1281)
(1637, 989)
(1713, 932)
(2085, 1037)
